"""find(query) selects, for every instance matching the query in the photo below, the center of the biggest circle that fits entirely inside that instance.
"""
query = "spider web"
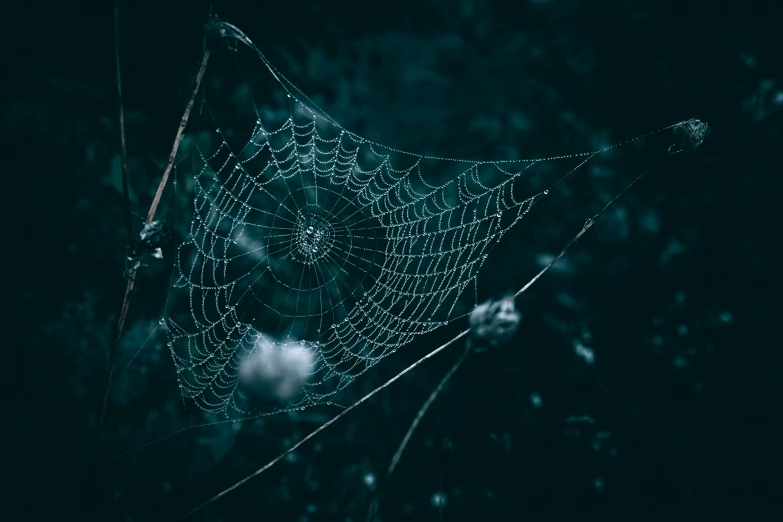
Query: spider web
(305, 234)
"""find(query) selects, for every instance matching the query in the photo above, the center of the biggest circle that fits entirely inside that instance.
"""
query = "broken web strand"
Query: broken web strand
(419, 252)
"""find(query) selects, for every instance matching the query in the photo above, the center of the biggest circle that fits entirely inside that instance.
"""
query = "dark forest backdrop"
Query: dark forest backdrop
(672, 292)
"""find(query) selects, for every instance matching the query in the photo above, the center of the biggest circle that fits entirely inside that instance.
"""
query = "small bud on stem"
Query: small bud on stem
(154, 235)
(495, 322)
(688, 135)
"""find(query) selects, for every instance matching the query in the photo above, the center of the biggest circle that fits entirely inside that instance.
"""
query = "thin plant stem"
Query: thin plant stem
(589, 223)
(180, 131)
(422, 411)
(150, 216)
(137, 263)
(128, 223)
(123, 148)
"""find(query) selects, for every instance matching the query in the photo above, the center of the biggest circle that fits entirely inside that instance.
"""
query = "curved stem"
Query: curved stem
(150, 216)
(422, 411)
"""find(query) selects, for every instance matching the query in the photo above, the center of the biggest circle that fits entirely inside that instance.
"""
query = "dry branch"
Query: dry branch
(150, 216)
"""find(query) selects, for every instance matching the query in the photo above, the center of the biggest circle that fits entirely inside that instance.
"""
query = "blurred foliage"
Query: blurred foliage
(640, 381)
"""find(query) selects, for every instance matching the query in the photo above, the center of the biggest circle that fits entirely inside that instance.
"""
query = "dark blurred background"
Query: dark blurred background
(644, 381)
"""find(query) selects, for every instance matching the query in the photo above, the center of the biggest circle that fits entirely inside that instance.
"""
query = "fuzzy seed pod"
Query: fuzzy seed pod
(495, 322)
(154, 235)
(688, 135)
(275, 372)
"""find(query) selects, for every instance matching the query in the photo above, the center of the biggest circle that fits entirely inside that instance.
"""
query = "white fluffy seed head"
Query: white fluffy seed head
(495, 322)
(276, 372)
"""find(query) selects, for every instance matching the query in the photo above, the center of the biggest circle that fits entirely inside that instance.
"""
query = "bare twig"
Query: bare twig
(182, 124)
(113, 354)
(128, 217)
(150, 216)
(123, 148)
(396, 459)
(422, 411)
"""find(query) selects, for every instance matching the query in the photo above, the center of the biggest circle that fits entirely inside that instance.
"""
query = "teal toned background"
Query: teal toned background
(673, 291)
